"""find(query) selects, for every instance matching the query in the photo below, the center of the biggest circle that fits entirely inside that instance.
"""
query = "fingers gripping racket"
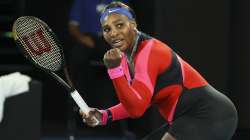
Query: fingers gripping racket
(39, 44)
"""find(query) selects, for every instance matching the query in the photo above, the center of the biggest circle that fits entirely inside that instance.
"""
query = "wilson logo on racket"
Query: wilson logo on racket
(40, 42)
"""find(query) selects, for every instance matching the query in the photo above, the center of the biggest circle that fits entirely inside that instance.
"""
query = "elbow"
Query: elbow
(136, 114)
(137, 110)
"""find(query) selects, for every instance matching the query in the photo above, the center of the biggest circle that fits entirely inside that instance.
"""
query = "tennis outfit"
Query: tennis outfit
(155, 74)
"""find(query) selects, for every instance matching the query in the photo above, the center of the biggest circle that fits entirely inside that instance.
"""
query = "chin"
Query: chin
(122, 48)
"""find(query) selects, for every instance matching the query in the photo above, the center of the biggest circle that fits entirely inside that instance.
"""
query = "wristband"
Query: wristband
(110, 116)
(104, 117)
(115, 72)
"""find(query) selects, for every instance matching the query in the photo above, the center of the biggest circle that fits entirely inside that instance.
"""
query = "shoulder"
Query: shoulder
(156, 53)
(156, 47)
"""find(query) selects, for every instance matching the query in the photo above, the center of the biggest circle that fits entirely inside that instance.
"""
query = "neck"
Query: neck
(133, 44)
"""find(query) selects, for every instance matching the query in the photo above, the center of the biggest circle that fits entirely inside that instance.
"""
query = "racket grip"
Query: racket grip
(82, 104)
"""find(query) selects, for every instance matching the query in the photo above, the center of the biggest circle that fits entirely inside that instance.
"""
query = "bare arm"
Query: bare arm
(81, 38)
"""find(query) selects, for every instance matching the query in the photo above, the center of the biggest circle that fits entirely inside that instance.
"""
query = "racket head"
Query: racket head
(38, 43)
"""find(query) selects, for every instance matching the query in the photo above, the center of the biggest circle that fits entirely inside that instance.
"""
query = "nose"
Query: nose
(113, 33)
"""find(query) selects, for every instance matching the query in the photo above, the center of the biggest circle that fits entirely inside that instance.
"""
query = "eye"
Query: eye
(106, 30)
(119, 25)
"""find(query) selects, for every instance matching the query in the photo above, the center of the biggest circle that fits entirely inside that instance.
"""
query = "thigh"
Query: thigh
(188, 128)
(204, 113)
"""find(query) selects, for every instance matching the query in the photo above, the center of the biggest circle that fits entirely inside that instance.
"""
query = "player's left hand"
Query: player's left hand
(112, 58)
(92, 117)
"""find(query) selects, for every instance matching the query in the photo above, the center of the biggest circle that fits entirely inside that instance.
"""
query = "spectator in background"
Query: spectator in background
(85, 29)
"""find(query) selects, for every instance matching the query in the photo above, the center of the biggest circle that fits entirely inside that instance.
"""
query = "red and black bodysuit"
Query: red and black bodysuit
(184, 98)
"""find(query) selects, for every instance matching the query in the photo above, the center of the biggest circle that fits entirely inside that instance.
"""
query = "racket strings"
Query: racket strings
(39, 43)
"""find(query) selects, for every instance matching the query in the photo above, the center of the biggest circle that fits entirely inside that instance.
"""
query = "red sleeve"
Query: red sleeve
(118, 112)
(136, 97)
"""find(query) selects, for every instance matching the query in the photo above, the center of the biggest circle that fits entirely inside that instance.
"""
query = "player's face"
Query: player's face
(119, 31)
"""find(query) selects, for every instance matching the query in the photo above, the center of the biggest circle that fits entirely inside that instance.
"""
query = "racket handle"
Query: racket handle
(82, 104)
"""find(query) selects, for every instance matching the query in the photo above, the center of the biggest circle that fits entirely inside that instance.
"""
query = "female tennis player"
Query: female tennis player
(146, 71)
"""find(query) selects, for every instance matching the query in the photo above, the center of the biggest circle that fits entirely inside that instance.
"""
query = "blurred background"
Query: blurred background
(213, 36)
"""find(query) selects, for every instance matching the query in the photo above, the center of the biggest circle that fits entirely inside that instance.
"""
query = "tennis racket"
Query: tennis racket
(39, 44)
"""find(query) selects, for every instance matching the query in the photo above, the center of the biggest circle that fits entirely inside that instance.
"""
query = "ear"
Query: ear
(133, 24)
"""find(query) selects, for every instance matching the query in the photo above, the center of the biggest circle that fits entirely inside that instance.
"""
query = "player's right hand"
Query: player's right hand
(89, 118)
(112, 58)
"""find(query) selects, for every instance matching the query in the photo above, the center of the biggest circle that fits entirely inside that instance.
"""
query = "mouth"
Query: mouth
(116, 43)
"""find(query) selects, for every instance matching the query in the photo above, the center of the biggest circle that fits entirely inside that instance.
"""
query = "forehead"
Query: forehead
(113, 18)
